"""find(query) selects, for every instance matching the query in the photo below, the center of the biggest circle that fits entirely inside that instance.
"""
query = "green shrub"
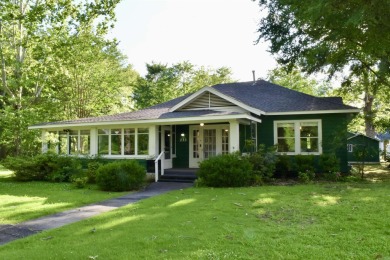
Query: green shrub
(92, 171)
(43, 167)
(263, 163)
(304, 163)
(65, 168)
(329, 163)
(306, 176)
(283, 165)
(22, 168)
(228, 170)
(80, 182)
(121, 176)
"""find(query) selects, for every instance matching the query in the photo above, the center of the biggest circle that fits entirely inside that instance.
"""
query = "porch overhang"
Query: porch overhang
(159, 121)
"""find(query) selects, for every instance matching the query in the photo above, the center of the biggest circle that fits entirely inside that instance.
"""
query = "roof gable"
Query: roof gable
(204, 96)
(207, 100)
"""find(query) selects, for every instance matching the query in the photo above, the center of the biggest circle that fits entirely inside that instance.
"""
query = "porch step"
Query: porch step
(178, 175)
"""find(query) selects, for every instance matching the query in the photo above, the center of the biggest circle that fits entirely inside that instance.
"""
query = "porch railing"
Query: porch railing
(161, 158)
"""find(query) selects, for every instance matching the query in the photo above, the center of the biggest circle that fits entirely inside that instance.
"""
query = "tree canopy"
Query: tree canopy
(348, 37)
(163, 82)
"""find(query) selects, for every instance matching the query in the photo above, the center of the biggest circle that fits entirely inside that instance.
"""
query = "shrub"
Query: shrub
(264, 163)
(304, 163)
(43, 167)
(121, 176)
(228, 170)
(329, 163)
(80, 182)
(65, 167)
(92, 171)
(306, 176)
(22, 168)
(283, 165)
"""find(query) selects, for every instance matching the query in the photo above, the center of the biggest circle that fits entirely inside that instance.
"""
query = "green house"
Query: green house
(220, 119)
(362, 148)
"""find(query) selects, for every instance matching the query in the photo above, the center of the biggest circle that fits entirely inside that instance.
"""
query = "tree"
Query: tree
(163, 83)
(31, 33)
(352, 37)
(295, 80)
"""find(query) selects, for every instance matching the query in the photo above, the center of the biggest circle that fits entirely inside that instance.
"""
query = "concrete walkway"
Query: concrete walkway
(9, 233)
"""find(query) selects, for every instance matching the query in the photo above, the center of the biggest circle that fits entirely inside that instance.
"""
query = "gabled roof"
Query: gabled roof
(275, 99)
(252, 98)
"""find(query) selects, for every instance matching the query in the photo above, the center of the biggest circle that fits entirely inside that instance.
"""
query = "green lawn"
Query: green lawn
(20, 201)
(316, 221)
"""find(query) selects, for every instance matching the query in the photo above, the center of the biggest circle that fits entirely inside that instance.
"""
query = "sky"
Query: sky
(210, 33)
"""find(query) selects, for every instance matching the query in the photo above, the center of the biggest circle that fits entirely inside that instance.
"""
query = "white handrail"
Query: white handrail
(160, 157)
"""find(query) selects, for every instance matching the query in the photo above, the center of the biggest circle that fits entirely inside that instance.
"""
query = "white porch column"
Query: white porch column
(94, 142)
(234, 136)
(44, 141)
(153, 140)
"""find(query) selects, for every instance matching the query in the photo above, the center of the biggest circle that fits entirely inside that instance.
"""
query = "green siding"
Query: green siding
(182, 148)
(245, 134)
(334, 133)
(370, 144)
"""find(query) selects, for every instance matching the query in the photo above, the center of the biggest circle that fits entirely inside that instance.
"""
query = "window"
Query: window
(123, 141)
(71, 142)
(298, 136)
(350, 148)
(225, 141)
(143, 141)
(129, 134)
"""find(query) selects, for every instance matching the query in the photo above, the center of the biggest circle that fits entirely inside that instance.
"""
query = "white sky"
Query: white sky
(210, 33)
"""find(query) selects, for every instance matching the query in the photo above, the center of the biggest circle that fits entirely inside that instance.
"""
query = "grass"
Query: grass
(315, 221)
(21, 201)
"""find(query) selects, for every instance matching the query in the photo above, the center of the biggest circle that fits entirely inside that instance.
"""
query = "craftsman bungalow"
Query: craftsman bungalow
(220, 119)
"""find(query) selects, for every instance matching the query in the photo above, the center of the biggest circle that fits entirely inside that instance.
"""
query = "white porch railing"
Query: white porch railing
(161, 157)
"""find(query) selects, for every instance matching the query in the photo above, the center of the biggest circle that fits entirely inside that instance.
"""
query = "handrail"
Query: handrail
(160, 157)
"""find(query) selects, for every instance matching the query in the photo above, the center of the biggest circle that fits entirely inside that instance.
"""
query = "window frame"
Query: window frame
(297, 135)
(350, 148)
(136, 135)
(67, 137)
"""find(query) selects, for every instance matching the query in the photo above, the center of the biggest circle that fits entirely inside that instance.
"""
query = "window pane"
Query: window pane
(103, 131)
(84, 144)
(129, 131)
(286, 145)
(129, 144)
(309, 130)
(103, 144)
(143, 130)
(62, 142)
(143, 143)
(116, 131)
(286, 130)
(73, 144)
(116, 144)
(309, 144)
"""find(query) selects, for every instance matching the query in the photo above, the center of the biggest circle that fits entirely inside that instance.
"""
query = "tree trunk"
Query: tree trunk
(369, 115)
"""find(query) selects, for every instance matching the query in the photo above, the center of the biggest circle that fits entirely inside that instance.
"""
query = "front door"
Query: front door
(166, 145)
(207, 141)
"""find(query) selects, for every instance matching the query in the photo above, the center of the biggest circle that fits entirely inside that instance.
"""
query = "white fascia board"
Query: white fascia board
(182, 121)
(313, 112)
(219, 94)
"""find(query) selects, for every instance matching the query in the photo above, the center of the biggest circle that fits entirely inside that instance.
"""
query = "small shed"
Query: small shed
(362, 148)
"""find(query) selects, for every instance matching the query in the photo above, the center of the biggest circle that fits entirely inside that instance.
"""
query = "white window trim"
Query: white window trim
(297, 136)
(350, 148)
(57, 147)
(122, 155)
